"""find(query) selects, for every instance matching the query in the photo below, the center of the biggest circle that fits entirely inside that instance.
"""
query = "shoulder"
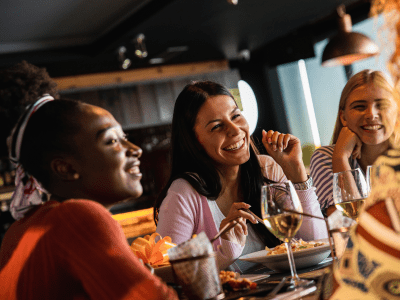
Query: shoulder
(321, 161)
(82, 213)
(82, 207)
(182, 187)
(85, 218)
(324, 151)
(182, 193)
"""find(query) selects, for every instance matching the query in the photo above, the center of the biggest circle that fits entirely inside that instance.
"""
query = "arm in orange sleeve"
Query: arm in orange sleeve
(94, 247)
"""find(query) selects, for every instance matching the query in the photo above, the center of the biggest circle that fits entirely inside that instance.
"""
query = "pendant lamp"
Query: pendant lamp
(346, 46)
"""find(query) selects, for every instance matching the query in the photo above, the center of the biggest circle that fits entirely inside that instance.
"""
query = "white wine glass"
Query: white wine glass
(371, 175)
(350, 189)
(281, 212)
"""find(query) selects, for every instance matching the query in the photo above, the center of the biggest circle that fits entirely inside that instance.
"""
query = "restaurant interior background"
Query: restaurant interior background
(134, 57)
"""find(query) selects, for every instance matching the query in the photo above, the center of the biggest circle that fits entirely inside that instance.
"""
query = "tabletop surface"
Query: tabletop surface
(266, 285)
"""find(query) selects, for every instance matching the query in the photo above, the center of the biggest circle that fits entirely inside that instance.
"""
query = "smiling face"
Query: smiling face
(371, 113)
(107, 163)
(223, 132)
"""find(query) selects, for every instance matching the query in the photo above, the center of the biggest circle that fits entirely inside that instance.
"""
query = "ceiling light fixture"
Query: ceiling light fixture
(124, 62)
(140, 46)
(346, 46)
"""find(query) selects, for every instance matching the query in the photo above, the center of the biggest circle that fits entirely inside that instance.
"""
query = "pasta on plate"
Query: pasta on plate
(297, 245)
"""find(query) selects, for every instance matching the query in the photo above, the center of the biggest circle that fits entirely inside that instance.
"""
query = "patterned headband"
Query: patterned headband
(16, 143)
(28, 191)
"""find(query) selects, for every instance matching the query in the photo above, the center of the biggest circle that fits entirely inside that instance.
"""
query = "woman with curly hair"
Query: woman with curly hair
(20, 85)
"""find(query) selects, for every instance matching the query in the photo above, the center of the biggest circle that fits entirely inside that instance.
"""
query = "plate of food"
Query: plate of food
(306, 254)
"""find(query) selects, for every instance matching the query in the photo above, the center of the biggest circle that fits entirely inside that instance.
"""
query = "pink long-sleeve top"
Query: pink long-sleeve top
(185, 212)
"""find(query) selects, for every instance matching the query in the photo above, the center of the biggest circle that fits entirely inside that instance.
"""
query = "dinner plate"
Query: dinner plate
(302, 258)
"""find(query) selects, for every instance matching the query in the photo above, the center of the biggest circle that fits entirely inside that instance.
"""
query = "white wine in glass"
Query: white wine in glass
(349, 192)
(284, 226)
(280, 206)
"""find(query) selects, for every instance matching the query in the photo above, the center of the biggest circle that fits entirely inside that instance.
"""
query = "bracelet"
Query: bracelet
(301, 186)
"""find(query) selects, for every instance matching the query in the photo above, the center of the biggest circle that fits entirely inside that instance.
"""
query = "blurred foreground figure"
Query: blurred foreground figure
(370, 265)
(73, 161)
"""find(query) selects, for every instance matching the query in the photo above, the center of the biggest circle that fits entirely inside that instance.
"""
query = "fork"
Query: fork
(270, 295)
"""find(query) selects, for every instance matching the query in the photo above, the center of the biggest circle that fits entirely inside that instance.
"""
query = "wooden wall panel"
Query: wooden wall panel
(141, 75)
(148, 104)
(165, 101)
(130, 104)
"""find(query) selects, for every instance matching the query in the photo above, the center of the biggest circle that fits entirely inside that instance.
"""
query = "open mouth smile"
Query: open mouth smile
(133, 169)
(235, 146)
(372, 127)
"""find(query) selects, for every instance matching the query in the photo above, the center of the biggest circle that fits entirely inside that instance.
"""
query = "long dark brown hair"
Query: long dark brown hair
(191, 162)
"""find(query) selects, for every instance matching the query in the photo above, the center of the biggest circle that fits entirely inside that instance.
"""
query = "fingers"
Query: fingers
(276, 140)
(238, 210)
(357, 150)
(236, 221)
(241, 227)
(348, 144)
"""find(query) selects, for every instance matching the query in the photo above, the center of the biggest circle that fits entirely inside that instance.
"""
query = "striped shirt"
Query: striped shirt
(321, 172)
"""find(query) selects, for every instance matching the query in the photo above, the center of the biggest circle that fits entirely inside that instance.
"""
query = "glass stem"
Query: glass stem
(295, 279)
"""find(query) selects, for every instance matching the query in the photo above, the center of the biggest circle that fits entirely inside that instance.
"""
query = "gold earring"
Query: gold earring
(76, 176)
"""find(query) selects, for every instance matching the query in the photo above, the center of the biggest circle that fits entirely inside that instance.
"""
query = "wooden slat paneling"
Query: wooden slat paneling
(138, 75)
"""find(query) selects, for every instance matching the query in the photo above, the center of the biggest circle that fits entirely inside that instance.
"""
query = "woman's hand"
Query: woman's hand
(237, 215)
(348, 145)
(285, 149)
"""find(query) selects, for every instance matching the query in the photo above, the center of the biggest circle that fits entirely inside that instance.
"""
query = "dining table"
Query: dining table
(268, 279)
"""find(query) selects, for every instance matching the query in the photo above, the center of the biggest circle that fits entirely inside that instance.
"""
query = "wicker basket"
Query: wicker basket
(199, 277)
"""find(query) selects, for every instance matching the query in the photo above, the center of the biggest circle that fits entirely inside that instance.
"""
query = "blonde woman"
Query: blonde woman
(364, 130)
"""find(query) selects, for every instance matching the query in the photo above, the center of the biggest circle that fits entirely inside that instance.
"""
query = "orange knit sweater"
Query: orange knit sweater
(73, 250)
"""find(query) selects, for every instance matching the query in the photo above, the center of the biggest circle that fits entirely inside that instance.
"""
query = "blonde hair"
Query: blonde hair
(361, 79)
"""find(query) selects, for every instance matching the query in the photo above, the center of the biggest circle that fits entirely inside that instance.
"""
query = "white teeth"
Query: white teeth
(132, 170)
(235, 146)
(373, 127)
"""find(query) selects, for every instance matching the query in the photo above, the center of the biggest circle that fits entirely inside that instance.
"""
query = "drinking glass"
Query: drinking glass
(279, 207)
(371, 175)
(350, 189)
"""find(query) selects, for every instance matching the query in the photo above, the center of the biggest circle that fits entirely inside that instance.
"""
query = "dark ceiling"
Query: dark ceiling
(80, 37)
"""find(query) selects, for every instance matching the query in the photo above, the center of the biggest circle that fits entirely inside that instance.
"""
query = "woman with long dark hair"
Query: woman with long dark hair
(217, 172)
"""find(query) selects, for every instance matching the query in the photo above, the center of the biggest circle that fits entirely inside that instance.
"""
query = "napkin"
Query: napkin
(370, 265)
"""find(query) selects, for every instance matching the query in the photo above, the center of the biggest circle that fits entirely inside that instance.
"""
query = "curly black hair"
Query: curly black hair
(20, 85)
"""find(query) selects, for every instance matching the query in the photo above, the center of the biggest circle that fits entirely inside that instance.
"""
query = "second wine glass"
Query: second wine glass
(349, 192)
(280, 206)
